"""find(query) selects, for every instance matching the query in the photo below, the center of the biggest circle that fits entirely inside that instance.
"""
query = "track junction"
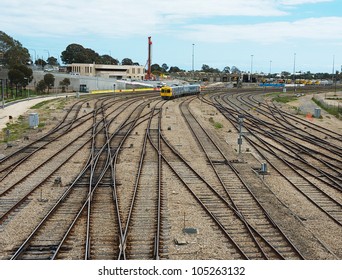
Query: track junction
(125, 177)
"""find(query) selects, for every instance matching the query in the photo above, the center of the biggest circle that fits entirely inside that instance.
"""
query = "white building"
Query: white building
(118, 72)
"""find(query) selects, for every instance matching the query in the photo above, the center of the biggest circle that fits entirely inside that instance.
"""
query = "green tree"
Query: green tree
(64, 83)
(226, 69)
(6, 42)
(235, 70)
(49, 80)
(285, 74)
(205, 68)
(16, 78)
(175, 69)
(17, 55)
(72, 54)
(156, 67)
(91, 56)
(28, 73)
(20, 76)
(75, 53)
(52, 61)
(165, 67)
(40, 62)
(107, 59)
(13, 51)
(41, 86)
(127, 61)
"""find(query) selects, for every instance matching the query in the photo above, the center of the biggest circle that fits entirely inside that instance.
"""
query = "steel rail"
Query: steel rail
(293, 169)
(62, 198)
(245, 185)
(111, 165)
(123, 246)
(332, 178)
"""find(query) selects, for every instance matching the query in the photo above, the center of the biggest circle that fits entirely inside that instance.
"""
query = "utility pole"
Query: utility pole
(334, 78)
(294, 72)
(252, 67)
(193, 58)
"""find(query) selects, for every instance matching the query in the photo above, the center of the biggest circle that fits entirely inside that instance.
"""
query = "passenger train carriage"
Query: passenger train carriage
(169, 92)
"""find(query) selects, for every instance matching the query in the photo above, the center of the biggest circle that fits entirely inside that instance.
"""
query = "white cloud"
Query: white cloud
(313, 29)
(119, 17)
(302, 2)
(126, 18)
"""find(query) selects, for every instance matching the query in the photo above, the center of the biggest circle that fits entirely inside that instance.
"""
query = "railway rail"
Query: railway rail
(116, 205)
(76, 202)
(240, 196)
(310, 187)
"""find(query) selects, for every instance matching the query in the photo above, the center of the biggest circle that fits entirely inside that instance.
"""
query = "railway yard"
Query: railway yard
(132, 176)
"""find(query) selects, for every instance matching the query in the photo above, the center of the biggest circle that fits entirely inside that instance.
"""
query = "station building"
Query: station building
(118, 72)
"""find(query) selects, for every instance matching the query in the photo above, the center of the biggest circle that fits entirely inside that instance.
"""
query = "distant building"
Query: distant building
(118, 72)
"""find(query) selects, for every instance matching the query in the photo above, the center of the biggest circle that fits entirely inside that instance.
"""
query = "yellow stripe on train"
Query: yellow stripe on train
(122, 90)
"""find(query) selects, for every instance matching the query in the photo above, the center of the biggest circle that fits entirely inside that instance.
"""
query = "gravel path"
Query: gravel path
(16, 109)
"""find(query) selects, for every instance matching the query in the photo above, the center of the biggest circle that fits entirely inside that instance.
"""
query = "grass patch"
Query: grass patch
(273, 94)
(284, 98)
(217, 125)
(41, 104)
(333, 110)
(60, 104)
(15, 130)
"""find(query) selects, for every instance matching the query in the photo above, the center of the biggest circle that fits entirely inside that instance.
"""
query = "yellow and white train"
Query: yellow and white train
(170, 92)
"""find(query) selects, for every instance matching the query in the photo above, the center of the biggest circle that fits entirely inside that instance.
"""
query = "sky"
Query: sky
(253, 35)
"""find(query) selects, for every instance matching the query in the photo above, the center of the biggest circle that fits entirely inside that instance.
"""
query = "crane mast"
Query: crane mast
(149, 60)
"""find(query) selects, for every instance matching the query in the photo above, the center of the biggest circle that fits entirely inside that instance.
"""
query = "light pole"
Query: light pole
(35, 55)
(333, 73)
(333, 69)
(270, 67)
(252, 66)
(193, 58)
(48, 55)
(294, 72)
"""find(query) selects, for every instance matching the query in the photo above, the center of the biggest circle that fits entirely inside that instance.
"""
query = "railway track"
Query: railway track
(143, 226)
(81, 208)
(239, 194)
(322, 188)
(42, 166)
(104, 213)
(70, 121)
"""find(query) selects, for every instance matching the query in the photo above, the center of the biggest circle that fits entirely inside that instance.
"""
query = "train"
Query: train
(170, 92)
